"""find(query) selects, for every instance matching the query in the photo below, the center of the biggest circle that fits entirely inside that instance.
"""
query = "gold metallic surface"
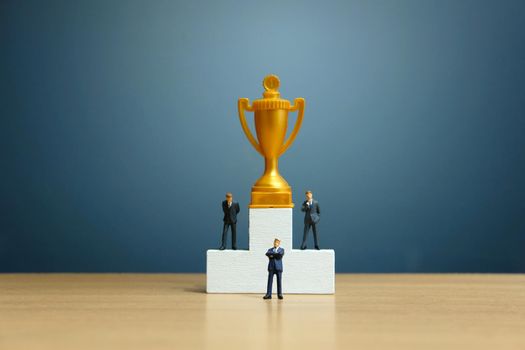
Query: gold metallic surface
(271, 123)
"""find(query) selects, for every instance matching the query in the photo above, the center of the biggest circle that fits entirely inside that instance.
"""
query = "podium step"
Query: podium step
(245, 271)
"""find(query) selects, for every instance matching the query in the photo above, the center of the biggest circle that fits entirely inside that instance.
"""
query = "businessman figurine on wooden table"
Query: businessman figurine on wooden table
(230, 209)
(275, 267)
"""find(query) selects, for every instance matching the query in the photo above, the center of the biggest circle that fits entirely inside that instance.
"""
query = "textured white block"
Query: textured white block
(245, 271)
(264, 225)
(309, 271)
(235, 271)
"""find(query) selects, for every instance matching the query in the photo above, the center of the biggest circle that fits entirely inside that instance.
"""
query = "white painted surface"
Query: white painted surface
(245, 271)
(265, 224)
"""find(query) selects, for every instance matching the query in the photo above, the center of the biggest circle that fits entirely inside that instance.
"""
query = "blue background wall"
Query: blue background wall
(119, 132)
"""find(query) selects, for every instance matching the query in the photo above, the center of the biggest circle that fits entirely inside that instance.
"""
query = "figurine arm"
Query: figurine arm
(318, 209)
(237, 208)
(279, 256)
(303, 207)
(269, 254)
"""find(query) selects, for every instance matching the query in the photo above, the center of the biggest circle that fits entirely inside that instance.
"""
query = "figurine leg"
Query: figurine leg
(314, 228)
(270, 284)
(279, 289)
(305, 234)
(234, 235)
(224, 232)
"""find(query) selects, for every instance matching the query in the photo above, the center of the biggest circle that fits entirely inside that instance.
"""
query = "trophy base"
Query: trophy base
(264, 199)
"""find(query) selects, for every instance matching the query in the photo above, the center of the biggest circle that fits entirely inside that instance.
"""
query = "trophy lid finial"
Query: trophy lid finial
(271, 82)
(271, 97)
(271, 85)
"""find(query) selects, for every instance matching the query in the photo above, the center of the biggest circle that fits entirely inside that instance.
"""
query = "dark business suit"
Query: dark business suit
(312, 216)
(230, 220)
(275, 267)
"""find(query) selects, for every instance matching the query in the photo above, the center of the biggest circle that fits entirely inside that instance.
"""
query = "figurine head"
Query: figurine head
(229, 197)
(309, 195)
(276, 242)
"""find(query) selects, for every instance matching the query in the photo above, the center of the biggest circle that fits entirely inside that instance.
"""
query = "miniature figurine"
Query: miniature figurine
(275, 267)
(230, 209)
(312, 216)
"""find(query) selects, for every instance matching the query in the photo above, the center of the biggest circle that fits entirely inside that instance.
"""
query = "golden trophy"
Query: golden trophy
(271, 122)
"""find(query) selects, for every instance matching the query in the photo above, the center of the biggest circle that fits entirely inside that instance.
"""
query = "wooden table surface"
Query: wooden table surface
(172, 311)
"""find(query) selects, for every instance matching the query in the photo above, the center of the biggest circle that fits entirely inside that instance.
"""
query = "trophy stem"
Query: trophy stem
(271, 166)
(271, 190)
(271, 180)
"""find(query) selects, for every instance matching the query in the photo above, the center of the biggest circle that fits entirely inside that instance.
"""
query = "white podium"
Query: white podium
(245, 271)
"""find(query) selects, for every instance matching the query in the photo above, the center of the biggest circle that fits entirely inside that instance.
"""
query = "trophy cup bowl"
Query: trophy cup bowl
(271, 122)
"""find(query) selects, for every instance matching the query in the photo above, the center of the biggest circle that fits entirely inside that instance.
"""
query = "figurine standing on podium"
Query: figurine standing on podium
(275, 267)
(312, 216)
(230, 209)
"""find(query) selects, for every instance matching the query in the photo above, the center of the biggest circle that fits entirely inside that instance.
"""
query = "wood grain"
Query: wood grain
(172, 311)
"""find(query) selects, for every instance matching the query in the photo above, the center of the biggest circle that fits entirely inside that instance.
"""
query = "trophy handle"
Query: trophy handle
(244, 104)
(298, 105)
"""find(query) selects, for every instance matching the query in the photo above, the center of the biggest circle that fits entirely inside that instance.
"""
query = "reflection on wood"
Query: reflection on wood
(173, 311)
